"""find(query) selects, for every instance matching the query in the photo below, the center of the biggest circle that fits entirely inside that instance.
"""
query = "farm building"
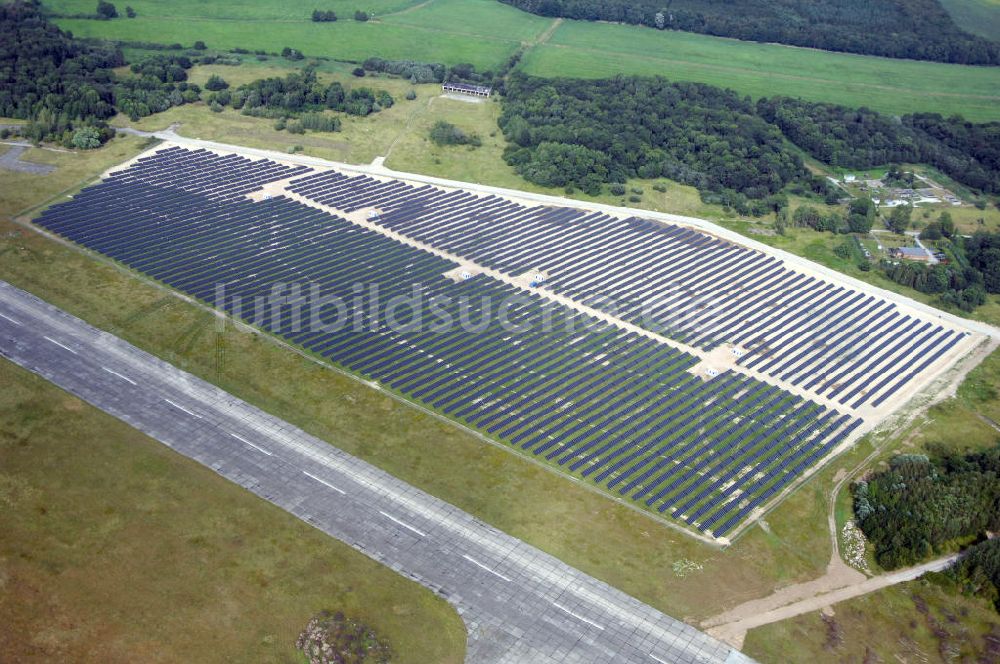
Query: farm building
(467, 89)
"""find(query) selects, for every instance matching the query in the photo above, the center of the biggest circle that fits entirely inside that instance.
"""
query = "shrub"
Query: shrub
(106, 10)
(411, 95)
(86, 138)
(216, 83)
(445, 133)
(360, 16)
(617, 189)
(634, 199)
(216, 107)
(295, 127)
(199, 45)
(324, 16)
(359, 72)
(129, 12)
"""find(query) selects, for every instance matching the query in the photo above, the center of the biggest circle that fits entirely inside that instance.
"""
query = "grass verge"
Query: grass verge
(117, 549)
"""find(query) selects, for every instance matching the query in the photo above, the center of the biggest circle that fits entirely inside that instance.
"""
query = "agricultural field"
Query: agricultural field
(599, 50)
(203, 570)
(486, 32)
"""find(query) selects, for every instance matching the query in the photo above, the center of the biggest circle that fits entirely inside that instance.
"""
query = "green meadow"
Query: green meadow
(597, 50)
(486, 32)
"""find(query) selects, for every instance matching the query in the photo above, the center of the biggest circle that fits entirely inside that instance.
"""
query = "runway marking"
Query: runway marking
(180, 407)
(338, 490)
(578, 617)
(15, 322)
(479, 564)
(115, 373)
(244, 440)
(59, 344)
(661, 661)
(405, 525)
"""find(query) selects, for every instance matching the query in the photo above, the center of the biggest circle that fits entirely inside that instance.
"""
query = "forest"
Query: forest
(977, 573)
(922, 506)
(61, 85)
(912, 29)
(581, 133)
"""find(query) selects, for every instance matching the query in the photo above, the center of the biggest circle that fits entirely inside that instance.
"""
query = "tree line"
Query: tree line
(912, 29)
(922, 506)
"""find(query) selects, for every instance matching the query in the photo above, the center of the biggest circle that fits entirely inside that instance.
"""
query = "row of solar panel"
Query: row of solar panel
(616, 408)
(684, 284)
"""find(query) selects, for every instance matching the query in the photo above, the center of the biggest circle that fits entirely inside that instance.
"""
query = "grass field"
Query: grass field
(595, 50)
(482, 32)
(485, 32)
(912, 622)
(117, 549)
(980, 17)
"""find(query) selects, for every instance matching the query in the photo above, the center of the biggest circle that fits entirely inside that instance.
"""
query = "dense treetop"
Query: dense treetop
(914, 29)
(581, 133)
(921, 506)
(46, 75)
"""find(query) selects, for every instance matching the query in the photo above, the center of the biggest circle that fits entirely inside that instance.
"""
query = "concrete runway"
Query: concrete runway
(519, 604)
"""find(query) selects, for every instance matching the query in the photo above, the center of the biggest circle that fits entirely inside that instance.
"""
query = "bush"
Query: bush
(106, 10)
(129, 12)
(634, 199)
(320, 122)
(617, 189)
(411, 95)
(360, 16)
(295, 127)
(86, 138)
(445, 133)
(659, 187)
(216, 107)
(359, 72)
(199, 45)
(280, 123)
(291, 54)
(216, 83)
(324, 16)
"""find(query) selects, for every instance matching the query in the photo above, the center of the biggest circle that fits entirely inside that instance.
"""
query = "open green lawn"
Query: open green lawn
(482, 32)
(486, 32)
(116, 549)
(595, 50)
(980, 17)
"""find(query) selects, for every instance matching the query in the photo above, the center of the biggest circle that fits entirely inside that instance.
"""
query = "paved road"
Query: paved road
(519, 604)
(11, 161)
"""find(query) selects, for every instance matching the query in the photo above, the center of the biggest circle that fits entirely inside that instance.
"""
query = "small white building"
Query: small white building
(468, 89)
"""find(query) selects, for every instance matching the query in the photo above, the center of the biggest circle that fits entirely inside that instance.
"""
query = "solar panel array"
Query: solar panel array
(610, 406)
(689, 286)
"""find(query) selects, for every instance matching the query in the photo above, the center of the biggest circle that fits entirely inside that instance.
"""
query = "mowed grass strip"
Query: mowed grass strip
(117, 549)
(598, 50)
